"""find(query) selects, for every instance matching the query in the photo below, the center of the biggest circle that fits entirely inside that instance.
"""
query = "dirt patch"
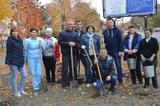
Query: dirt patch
(126, 95)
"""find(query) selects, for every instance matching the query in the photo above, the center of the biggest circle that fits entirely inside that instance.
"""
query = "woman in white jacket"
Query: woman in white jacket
(48, 55)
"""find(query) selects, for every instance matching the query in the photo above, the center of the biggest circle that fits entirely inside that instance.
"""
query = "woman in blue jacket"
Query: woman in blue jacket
(15, 60)
(86, 42)
(32, 55)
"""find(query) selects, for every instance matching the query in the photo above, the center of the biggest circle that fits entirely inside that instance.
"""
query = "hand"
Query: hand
(51, 45)
(6, 66)
(134, 50)
(26, 62)
(130, 52)
(40, 44)
(151, 58)
(83, 47)
(102, 40)
(127, 51)
(143, 58)
(120, 53)
(95, 61)
(71, 44)
(108, 78)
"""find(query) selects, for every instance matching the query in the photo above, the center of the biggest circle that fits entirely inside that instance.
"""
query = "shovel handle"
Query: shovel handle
(88, 56)
(72, 62)
(97, 63)
(41, 58)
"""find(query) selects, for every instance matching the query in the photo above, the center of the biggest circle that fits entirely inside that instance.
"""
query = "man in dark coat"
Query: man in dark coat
(107, 70)
(68, 38)
(80, 32)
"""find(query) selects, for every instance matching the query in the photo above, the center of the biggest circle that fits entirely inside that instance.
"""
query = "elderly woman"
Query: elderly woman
(15, 60)
(86, 42)
(32, 53)
(131, 46)
(48, 55)
(148, 49)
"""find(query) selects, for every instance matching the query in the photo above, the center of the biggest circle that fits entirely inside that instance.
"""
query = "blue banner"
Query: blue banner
(120, 8)
(140, 6)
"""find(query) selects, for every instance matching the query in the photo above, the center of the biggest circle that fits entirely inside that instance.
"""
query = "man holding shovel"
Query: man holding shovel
(69, 41)
(107, 70)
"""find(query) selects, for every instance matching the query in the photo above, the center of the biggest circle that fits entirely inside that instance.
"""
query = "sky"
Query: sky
(95, 4)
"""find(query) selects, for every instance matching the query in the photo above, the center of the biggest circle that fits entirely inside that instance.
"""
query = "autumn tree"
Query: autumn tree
(27, 14)
(82, 11)
(58, 13)
(5, 14)
(53, 16)
(155, 20)
(138, 21)
(60, 10)
(5, 10)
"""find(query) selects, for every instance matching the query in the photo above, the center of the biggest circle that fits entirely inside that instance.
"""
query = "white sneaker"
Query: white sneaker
(17, 94)
(88, 85)
(95, 83)
(23, 93)
(64, 90)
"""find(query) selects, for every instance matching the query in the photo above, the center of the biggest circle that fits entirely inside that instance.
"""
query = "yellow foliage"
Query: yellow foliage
(5, 10)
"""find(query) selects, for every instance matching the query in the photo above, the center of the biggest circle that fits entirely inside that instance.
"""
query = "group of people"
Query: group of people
(30, 52)
(82, 45)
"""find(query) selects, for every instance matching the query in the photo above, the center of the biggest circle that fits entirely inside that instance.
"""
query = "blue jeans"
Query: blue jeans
(112, 81)
(117, 60)
(90, 75)
(22, 70)
(35, 70)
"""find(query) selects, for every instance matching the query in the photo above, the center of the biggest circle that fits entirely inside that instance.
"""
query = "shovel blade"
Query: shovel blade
(6, 80)
(73, 83)
(80, 80)
(103, 94)
(43, 85)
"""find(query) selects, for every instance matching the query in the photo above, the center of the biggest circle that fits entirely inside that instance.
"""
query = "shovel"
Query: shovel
(74, 82)
(6, 79)
(79, 78)
(88, 57)
(99, 73)
(43, 85)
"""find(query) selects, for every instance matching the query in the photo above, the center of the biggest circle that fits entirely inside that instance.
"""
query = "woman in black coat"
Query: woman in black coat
(148, 49)
(15, 61)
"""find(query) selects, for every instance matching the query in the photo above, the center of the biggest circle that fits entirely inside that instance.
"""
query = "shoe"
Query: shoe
(155, 87)
(110, 92)
(23, 93)
(53, 84)
(95, 83)
(64, 89)
(120, 84)
(17, 94)
(146, 86)
(133, 84)
(142, 83)
(88, 85)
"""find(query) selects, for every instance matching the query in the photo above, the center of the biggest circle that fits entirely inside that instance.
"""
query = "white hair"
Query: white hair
(49, 29)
